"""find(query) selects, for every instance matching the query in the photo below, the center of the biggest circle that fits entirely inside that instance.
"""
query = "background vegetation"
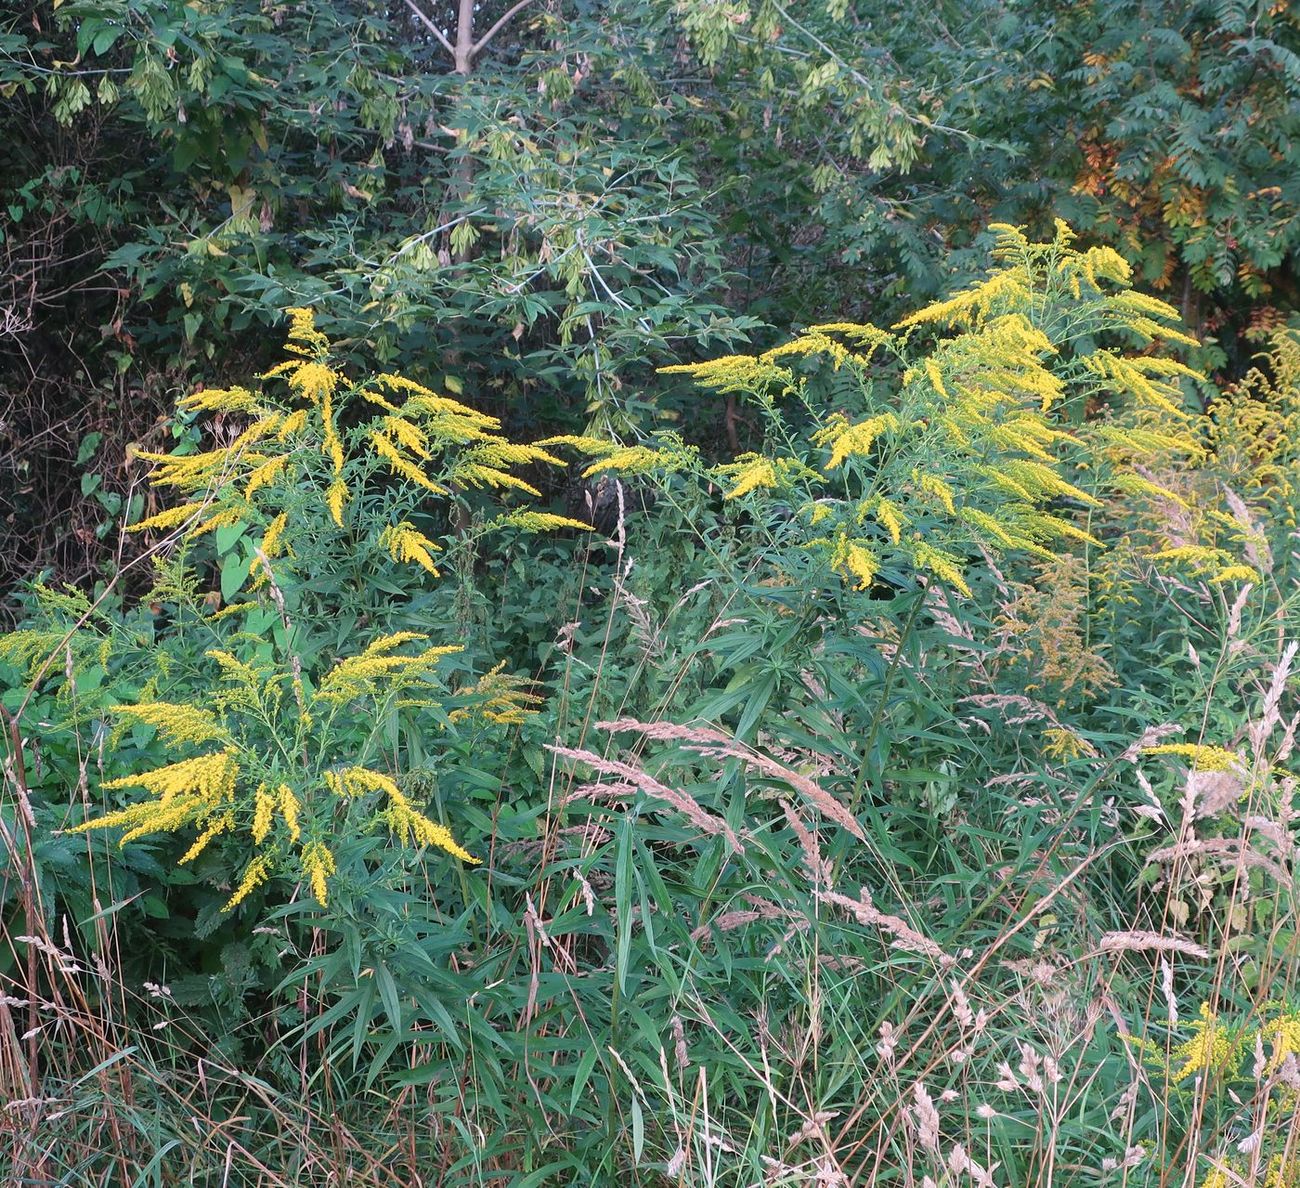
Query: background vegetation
(894, 783)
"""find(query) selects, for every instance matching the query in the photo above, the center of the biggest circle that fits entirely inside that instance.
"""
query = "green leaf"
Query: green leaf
(624, 884)
(582, 1073)
(106, 38)
(234, 573)
(228, 535)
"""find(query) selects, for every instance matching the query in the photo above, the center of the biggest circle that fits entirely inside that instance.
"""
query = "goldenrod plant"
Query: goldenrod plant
(744, 848)
(276, 773)
(285, 732)
(1254, 424)
(309, 433)
(1003, 419)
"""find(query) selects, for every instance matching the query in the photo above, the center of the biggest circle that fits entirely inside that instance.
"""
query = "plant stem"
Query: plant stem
(876, 717)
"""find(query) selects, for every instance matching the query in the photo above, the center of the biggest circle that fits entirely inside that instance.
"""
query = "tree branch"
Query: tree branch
(481, 44)
(428, 24)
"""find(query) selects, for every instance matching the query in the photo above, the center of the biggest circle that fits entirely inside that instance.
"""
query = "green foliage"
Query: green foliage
(584, 196)
(896, 452)
(879, 803)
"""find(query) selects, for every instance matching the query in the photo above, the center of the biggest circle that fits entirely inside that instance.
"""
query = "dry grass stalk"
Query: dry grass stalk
(1254, 542)
(1270, 713)
(819, 869)
(714, 744)
(701, 818)
(1151, 942)
(1229, 850)
(1212, 792)
(730, 921)
(1152, 736)
(903, 934)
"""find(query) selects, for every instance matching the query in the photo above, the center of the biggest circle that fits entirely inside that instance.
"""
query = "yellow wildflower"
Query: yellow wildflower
(472, 471)
(935, 377)
(1235, 573)
(410, 825)
(631, 460)
(224, 518)
(1197, 556)
(265, 474)
(936, 488)
(535, 521)
(749, 472)
(177, 723)
(350, 782)
(317, 866)
(942, 564)
(255, 874)
(210, 778)
(191, 790)
(410, 437)
(1283, 1036)
(263, 814)
(295, 422)
(1210, 1049)
(220, 400)
(861, 563)
(303, 333)
(1202, 758)
(314, 381)
(289, 809)
(334, 500)
(498, 697)
(404, 543)
(734, 373)
(992, 527)
(223, 824)
(170, 518)
(270, 546)
(403, 466)
(1060, 742)
(890, 517)
(357, 675)
(848, 440)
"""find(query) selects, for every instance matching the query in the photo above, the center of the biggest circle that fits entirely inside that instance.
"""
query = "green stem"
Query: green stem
(876, 718)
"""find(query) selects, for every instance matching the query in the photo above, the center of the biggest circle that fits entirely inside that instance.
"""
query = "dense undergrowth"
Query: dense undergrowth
(909, 801)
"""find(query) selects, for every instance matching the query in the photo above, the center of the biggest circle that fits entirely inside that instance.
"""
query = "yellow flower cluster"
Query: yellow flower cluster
(177, 724)
(293, 434)
(1253, 427)
(613, 458)
(238, 791)
(1211, 1048)
(1249, 1055)
(378, 667)
(989, 438)
(401, 816)
(499, 697)
(1202, 758)
(405, 543)
(195, 791)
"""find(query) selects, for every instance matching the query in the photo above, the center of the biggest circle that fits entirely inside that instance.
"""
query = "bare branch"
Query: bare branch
(481, 44)
(428, 24)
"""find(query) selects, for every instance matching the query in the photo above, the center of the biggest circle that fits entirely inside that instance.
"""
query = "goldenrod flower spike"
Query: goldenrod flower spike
(255, 874)
(173, 517)
(1210, 1049)
(1203, 758)
(177, 723)
(535, 521)
(499, 697)
(317, 867)
(749, 472)
(405, 543)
